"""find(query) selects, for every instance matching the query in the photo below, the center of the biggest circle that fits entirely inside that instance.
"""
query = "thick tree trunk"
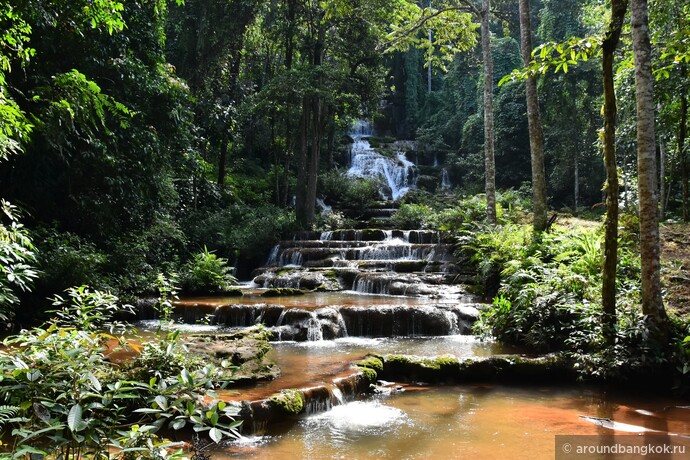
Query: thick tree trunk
(608, 290)
(646, 166)
(489, 160)
(536, 135)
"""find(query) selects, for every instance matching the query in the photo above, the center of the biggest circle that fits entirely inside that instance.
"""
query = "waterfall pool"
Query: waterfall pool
(470, 421)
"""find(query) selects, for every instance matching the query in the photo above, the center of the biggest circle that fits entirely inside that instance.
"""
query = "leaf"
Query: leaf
(215, 434)
(178, 424)
(162, 402)
(74, 418)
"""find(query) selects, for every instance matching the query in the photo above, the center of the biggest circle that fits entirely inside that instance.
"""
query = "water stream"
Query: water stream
(470, 421)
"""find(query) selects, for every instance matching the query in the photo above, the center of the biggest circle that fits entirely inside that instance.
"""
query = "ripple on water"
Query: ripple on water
(355, 420)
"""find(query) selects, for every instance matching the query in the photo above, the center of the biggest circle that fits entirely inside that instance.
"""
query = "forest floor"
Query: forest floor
(675, 273)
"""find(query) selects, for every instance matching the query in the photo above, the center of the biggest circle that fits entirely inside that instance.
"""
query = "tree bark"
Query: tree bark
(608, 289)
(682, 135)
(652, 305)
(662, 180)
(536, 134)
(489, 160)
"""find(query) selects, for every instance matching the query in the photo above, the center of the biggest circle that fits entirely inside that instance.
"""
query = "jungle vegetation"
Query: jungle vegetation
(147, 138)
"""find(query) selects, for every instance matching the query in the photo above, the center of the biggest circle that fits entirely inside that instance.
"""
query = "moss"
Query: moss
(497, 368)
(371, 362)
(282, 292)
(370, 374)
(284, 271)
(289, 401)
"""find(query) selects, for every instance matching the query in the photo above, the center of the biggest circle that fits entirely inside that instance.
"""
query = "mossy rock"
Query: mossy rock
(233, 292)
(371, 362)
(289, 401)
(369, 374)
(282, 292)
(550, 368)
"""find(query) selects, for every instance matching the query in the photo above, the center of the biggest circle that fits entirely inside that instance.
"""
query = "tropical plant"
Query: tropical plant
(61, 394)
(17, 260)
(207, 273)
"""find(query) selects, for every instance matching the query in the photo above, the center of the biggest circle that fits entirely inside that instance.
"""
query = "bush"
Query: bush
(349, 192)
(207, 273)
(60, 395)
(414, 216)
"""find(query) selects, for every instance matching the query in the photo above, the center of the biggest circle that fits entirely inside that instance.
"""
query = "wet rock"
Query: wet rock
(245, 349)
(448, 369)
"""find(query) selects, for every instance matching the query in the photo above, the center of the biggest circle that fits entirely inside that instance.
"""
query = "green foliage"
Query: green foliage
(414, 216)
(167, 294)
(348, 192)
(240, 229)
(17, 259)
(89, 311)
(207, 273)
(62, 396)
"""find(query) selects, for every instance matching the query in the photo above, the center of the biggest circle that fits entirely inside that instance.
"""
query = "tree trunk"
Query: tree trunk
(576, 184)
(536, 135)
(489, 160)
(608, 289)
(662, 180)
(682, 135)
(222, 160)
(301, 191)
(646, 167)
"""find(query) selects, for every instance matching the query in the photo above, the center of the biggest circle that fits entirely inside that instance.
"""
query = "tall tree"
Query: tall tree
(608, 290)
(646, 166)
(536, 134)
(489, 156)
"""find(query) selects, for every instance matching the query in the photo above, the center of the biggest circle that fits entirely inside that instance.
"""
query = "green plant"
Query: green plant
(91, 311)
(17, 255)
(414, 216)
(167, 294)
(208, 273)
(62, 396)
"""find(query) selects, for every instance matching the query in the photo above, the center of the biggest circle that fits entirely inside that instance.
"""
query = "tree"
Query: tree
(646, 166)
(536, 135)
(608, 290)
(489, 157)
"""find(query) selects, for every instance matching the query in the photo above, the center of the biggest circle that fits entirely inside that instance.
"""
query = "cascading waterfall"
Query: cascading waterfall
(314, 331)
(399, 174)
(445, 180)
(273, 256)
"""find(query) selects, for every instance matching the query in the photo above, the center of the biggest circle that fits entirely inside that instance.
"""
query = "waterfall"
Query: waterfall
(325, 209)
(399, 174)
(314, 332)
(445, 180)
(273, 256)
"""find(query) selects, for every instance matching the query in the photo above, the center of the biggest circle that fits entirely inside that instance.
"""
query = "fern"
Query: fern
(8, 414)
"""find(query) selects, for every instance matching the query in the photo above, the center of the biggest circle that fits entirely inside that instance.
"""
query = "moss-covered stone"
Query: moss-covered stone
(289, 401)
(371, 362)
(243, 353)
(369, 374)
(498, 368)
(282, 292)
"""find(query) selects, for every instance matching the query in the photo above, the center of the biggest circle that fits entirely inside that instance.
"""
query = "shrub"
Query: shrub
(414, 216)
(17, 271)
(207, 273)
(64, 398)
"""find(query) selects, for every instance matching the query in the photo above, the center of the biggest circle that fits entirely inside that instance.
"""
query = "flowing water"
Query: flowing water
(399, 174)
(471, 421)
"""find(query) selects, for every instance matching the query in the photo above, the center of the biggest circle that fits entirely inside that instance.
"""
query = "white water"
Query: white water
(445, 180)
(399, 174)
